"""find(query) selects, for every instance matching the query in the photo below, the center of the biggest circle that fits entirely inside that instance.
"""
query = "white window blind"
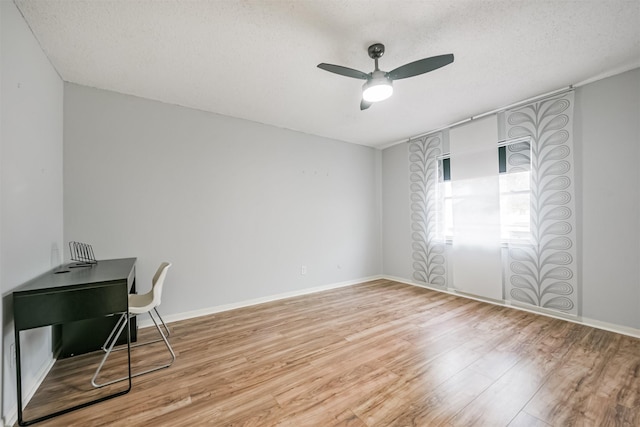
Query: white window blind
(476, 245)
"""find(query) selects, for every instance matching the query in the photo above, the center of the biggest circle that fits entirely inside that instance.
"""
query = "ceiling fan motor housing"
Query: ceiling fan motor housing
(376, 50)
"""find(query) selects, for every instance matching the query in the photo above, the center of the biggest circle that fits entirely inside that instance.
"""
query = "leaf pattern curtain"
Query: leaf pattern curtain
(428, 249)
(543, 272)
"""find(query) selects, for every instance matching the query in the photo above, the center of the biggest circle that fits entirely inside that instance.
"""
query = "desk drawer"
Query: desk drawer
(68, 305)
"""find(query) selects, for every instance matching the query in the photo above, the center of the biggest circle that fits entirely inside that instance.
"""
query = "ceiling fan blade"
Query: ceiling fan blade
(344, 71)
(420, 67)
(364, 105)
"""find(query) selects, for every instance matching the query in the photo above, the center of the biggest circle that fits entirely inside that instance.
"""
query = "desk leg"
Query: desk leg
(18, 377)
(73, 408)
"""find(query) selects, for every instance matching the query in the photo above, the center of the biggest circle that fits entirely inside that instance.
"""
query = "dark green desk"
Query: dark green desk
(65, 295)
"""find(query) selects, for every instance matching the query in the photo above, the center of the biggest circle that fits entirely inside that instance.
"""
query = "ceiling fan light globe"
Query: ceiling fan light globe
(376, 90)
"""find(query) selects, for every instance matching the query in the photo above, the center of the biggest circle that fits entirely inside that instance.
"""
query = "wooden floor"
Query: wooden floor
(375, 354)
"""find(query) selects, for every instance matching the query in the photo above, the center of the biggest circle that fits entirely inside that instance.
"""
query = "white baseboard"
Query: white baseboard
(145, 322)
(611, 327)
(11, 415)
(598, 324)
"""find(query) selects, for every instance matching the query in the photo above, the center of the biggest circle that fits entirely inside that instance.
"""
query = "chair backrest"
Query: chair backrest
(158, 281)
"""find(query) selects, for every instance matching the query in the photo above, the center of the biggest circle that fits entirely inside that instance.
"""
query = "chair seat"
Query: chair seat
(139, 304)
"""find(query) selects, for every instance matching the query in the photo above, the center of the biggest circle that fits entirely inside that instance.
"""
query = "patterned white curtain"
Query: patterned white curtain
(543, 272)
(428, 248)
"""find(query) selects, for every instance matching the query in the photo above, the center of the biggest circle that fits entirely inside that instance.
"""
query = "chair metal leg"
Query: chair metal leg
(108, 352)
(113, 331)
(166, 343)
(146, 342)
(163, 324)
(163, 338)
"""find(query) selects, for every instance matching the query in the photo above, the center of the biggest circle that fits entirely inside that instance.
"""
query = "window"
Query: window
(514, 159)
(514, 175)
(445, 196)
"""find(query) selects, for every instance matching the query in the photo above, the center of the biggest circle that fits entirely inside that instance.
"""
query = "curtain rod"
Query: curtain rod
(479, 116)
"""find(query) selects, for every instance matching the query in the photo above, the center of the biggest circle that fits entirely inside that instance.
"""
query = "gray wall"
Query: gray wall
(608, 137)
(30, 183)
(237, 206)
(396, 212)
(607, 144)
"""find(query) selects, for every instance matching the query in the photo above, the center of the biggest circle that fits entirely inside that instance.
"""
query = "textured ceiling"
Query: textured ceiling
(256, 59)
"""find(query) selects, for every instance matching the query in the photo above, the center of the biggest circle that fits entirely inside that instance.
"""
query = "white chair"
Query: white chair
(139, 304)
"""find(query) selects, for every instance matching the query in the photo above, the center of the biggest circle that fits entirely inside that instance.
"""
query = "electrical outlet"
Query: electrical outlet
(303, 269)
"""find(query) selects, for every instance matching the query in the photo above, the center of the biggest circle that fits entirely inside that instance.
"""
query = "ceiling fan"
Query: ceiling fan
(379, 84)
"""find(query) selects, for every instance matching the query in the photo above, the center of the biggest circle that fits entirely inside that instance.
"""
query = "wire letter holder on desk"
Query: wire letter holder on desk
(82, 253)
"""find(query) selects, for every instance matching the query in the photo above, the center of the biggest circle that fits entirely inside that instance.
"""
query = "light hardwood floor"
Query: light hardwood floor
(376, 354)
